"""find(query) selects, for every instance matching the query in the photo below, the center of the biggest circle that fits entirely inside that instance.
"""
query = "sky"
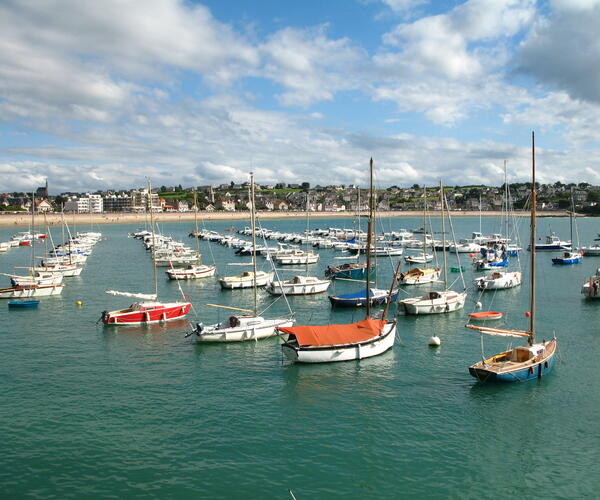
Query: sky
(103, 95)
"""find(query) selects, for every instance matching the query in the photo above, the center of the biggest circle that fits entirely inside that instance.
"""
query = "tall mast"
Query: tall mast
(196, 224)
(153, 240)
(307, 231)
(443, 235)
(253, 227)
(424, 222)
(532, 239)
(506, 203)
(571, 218)
(369, 238)
(32, 234)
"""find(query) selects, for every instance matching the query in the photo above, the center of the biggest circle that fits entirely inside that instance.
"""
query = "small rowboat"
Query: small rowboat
(485, 315)
(23, 303)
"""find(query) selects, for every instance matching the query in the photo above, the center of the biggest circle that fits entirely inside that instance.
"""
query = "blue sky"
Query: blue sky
(99, 95)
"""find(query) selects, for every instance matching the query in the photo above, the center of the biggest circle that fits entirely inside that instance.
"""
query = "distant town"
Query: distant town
(300, 197)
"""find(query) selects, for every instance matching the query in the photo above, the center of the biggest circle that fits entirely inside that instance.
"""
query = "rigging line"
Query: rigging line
(462, 277)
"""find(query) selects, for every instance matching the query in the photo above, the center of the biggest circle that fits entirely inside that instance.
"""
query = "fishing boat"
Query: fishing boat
(331, 343)
(437, 301)
(568, 257)
(149, 310)
(527, 362)
(591, 287)
(196, 270)
(23, 304)
(242, 327)
(552, 243)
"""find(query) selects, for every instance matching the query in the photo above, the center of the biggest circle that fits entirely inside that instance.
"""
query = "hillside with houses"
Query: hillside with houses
(300, 197)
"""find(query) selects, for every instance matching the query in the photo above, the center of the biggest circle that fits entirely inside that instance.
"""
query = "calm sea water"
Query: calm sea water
(88, 411)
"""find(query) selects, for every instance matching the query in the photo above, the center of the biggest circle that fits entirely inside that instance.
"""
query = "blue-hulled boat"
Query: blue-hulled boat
(23, 303)
(568, 258)
(349, 270)
(522, 363)
(359, 299)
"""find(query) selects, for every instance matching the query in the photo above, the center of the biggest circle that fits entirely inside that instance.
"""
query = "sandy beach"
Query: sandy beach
(54, 219)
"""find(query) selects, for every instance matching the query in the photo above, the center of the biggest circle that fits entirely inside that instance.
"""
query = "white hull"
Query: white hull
(67, 271)
(252, 329)
(192, 273)
(235, 282)
(304, 287)
(419, 279)
(344, 352)
(435, 303)
(593, 251)
(499, 280)
(297, 259)
(31, 291)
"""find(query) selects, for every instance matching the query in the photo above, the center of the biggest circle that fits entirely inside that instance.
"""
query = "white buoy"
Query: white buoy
(478, 305)
(434, 341)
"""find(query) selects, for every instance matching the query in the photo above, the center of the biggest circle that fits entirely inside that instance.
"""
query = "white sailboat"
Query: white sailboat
(242, 327)
(300, 285)
(197, 270)
(437, 301)
(331, 343)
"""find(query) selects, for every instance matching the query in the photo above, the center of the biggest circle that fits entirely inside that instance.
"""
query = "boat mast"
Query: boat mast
(369, 237)
(196, 224)
(444, 236)
(307, 231)
(532, 239)
(153, 240)
(253, 226)
(32, 232)
(571, 218)
(425, 225)
(506, 212)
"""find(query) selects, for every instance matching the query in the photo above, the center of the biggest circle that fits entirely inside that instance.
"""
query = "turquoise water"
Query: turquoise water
(89, 411)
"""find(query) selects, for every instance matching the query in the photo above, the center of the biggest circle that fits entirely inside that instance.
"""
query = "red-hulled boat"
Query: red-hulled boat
(146, 312)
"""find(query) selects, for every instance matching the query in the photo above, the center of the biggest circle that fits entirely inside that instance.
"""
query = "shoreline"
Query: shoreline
(54, 218)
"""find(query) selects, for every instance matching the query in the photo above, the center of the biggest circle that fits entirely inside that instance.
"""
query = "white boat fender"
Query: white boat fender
(434, 341)
(478, 305)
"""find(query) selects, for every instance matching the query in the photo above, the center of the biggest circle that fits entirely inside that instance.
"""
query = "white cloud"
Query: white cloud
(562, 49)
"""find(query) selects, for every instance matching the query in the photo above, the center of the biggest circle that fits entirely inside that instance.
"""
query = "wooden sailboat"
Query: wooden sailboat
(197, 270)
(328, 343)
(437, 301)
(241, 327)
(149, 310)
(530, 361)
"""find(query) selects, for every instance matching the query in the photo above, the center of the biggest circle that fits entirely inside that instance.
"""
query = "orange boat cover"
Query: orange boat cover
(336, 334)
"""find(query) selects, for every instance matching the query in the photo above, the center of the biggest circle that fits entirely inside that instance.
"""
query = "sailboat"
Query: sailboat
(425, 274)
(254, 278)
(570, 256)
(437, 301)
(328, 343)
(500, 279)
(530, 361)
(192, 271)
(149, 310)
(299, 285)
(35, 284)
(240, 327)
(368, 295)
(591, 287)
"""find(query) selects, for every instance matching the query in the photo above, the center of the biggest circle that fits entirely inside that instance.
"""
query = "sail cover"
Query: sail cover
(498, 332)
(143, 296)
(322, 335)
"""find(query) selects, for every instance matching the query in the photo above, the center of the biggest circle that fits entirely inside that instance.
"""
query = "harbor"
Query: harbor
(161, 415)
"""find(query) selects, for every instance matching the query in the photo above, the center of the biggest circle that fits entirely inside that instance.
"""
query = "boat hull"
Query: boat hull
(442, 305)
(519, 372)
(261, 330)
(26, 291)
(134, 316)
(280, 288)
(344, 352)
